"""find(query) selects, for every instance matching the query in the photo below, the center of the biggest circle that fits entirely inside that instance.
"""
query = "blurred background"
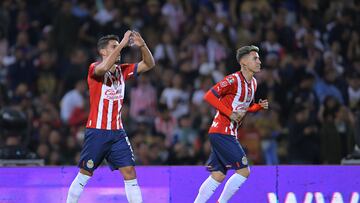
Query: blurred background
(310, 53)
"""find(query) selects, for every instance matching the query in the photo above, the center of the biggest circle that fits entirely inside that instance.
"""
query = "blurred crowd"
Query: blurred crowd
(310, 53)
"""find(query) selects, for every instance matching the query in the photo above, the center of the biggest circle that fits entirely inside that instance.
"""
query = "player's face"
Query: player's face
(112, 44)
(253, 62)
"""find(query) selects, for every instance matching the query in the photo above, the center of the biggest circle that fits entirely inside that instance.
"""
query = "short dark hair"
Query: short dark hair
(245, 50)
(103, 41)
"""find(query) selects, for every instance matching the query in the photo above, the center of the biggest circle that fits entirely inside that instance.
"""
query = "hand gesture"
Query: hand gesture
(237, 116)
(137, 39)
(264, 103)
(126, 38)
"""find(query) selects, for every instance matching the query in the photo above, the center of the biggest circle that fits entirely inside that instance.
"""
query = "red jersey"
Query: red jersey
(236, 94)
(106, 96)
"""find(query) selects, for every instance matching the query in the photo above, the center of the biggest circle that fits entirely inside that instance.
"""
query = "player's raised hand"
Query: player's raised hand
(264, 103)
(237, 116)
(126, 38)
(137, 39)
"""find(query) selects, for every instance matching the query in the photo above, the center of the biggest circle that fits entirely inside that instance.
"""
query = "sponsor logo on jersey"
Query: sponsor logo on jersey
(112, 94)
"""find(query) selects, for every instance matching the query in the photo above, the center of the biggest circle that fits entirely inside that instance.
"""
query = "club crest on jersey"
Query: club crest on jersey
(244, 160)
(230, 80)
(90, 163)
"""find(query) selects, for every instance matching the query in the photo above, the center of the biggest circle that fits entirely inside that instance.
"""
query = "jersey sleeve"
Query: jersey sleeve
(129, 70)
(254, 107)
(215, 102)
(91, 72)
(224, 87)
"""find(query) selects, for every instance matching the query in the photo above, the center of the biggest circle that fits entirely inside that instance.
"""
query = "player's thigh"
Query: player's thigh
(96, 146)
(215, 165)
(121, 153)
(229, 151)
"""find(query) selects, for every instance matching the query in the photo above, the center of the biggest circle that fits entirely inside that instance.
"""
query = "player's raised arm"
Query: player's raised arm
(114, 47)
(148, 61)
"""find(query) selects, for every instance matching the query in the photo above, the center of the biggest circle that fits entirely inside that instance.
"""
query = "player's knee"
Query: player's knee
(218, 176)
(244, 172)
(128, 173)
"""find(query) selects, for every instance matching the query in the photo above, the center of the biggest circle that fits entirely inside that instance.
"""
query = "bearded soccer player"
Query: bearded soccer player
(105, 137)
(232, 97)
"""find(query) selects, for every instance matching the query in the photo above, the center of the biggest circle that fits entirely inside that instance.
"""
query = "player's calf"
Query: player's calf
(233, 184)
(76, 188)
(132, 189)
(208, 188)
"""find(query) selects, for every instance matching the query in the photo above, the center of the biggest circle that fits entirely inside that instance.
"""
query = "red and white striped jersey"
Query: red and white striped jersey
(106, 96)
(236, 94)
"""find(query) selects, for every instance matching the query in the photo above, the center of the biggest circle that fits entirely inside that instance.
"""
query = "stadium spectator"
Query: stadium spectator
(143, 100)
(72, 99)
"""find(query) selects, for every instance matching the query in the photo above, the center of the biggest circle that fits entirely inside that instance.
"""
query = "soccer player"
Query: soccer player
(104, 135)
(233, 98)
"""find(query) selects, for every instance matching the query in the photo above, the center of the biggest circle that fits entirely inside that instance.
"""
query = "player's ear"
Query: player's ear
(102, 52)
(243, 61)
